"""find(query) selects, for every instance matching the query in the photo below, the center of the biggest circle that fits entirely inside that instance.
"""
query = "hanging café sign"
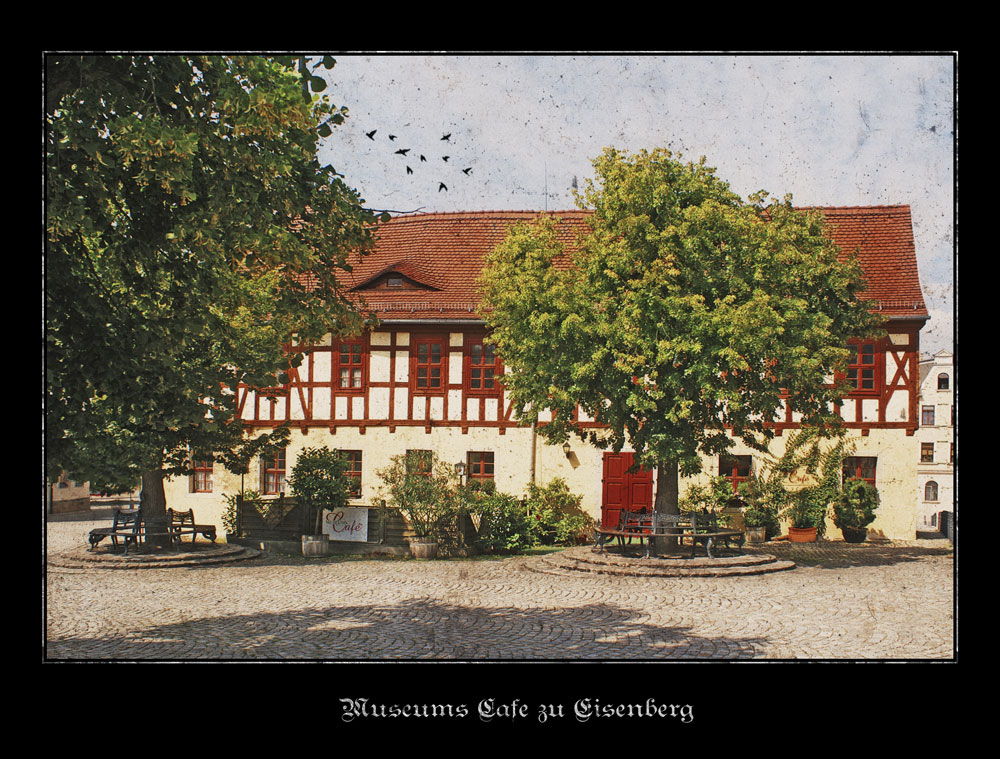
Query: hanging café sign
(346, 524)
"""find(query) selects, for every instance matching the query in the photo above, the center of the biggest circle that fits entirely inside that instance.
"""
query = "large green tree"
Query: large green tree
(685, 319)
(191, 233)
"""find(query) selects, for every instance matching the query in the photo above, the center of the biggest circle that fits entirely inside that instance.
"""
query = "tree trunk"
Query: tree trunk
(667, 495)
(154, 508)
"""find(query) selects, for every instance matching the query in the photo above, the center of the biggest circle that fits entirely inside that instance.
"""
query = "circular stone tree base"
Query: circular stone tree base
(104, 557)
(587, 559)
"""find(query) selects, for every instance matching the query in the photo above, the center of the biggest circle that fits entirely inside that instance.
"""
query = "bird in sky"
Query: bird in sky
(423, 159)
(445, 157)
(442, 186)
(467, 171)
(392, 137)
(447, 137)
(371, 135)
(409, 170)
(402, 151)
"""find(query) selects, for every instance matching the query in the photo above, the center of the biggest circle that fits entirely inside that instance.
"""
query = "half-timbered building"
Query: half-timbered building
(425, 379)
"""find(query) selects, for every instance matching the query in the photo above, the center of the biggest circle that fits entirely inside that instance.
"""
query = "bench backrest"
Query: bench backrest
(634, 520)
(677, 524)
(181, 518)
(128, 518)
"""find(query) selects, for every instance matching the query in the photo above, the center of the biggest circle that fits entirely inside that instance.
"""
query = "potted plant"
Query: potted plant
(762, 503)
(806, 511)
(317, 480)
(854, 509)
(426, 493)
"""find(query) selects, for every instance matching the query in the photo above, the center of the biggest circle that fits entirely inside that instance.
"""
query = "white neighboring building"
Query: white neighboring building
(936, 469)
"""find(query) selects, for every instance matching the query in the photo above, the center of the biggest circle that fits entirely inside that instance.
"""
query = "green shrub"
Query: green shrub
(711, 499)
(854, 506)
(763, 501)
(504, 526)
(555, 514)
(318, 481)
(426, 492)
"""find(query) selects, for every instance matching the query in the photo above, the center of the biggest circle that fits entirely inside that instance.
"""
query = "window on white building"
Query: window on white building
(927, 416)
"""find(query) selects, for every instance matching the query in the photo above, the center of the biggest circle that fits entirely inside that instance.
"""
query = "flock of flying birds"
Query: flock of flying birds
(442, 187)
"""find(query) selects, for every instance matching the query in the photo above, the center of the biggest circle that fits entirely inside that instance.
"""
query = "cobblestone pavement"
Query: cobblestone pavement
(840, 602)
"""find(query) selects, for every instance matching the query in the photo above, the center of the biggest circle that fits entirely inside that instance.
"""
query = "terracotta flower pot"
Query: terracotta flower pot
(802, 534)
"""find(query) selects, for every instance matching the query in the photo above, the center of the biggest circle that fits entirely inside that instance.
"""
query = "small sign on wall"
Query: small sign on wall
(346, 524)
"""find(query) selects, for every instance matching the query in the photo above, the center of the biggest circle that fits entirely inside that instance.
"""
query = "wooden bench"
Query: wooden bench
(698, 528)
(130, 526)
(630, 525)
(182, 523)
(705, 528)
(127, 525)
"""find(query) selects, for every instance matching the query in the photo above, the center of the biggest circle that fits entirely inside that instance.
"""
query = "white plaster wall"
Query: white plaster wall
(322, 365)
(378, 366)
(378, 403)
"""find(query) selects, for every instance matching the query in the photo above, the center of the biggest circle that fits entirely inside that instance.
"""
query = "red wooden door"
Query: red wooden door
(621, 489)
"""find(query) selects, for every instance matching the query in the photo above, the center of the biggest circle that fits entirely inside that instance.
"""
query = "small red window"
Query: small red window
(350, 365)
(429, 357)
(201, 478)
(480, 465)
(736, 469)
(863, 366)
(484, 368)
(419, 462)
(274, 473)
(861, 468)
(353, 471)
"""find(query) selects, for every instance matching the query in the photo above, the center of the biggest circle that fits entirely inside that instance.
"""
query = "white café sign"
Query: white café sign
(346, 524)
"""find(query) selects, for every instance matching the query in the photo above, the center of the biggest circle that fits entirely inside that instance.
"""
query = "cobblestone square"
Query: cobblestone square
(872, 601)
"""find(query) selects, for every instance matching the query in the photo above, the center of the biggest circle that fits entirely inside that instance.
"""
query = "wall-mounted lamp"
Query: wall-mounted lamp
(460, 471)
(566, 449)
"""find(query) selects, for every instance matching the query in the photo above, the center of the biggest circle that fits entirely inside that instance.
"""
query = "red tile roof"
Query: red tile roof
(447, 250)
(883, 236)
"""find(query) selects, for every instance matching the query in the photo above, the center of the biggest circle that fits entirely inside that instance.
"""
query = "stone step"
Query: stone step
(584, 559)
(103, 557)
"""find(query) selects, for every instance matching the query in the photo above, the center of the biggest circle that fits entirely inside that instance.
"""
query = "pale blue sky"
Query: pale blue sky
(839, 130)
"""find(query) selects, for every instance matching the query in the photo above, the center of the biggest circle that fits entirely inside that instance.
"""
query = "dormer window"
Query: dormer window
(394, 280)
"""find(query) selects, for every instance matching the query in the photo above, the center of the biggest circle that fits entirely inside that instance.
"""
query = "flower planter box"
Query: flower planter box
(315, 545)
(423, 549)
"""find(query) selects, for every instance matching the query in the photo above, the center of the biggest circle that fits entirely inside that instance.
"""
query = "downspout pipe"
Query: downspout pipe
(534, 446)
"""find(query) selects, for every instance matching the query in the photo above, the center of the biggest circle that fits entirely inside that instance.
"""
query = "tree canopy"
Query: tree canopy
(685, 318)
(191, 235)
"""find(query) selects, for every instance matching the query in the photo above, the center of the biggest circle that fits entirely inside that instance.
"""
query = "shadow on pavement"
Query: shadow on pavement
(414, 629)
